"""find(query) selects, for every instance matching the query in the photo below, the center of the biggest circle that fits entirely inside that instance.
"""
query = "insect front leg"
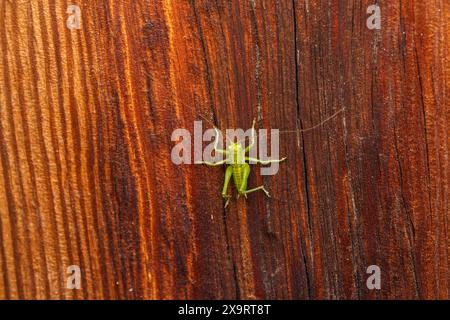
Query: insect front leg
(252, 140)
(216, 143)
(225, 195)
(264, 161)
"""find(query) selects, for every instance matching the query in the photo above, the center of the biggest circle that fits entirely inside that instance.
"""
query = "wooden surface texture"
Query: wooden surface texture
(86, 177)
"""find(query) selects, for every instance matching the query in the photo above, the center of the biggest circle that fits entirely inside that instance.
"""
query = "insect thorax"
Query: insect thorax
(236, 154)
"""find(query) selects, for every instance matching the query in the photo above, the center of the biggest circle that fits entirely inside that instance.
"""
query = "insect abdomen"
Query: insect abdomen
(238, 174)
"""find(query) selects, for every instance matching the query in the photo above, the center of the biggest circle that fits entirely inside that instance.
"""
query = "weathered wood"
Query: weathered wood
(86, 176)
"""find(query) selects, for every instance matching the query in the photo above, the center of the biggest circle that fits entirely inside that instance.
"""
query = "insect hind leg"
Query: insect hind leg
(245, 192)
(243, 187)
(225, 195)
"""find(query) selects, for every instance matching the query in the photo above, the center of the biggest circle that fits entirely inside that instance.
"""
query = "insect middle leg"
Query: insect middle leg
(264, 161)
(212, 164)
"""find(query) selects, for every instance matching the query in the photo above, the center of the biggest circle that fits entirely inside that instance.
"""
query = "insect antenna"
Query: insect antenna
(207, 120)
(317, 125)
(313, 127)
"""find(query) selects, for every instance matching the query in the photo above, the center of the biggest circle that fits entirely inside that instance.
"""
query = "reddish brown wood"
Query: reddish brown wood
(86, 176)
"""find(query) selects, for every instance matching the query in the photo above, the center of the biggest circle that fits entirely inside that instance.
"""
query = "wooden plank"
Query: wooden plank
(86, 177)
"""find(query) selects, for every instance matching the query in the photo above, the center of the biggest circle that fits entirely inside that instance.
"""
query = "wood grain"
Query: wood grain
(86, 177)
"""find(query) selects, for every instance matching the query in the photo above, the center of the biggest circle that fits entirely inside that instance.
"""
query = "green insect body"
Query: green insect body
(238, 167)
